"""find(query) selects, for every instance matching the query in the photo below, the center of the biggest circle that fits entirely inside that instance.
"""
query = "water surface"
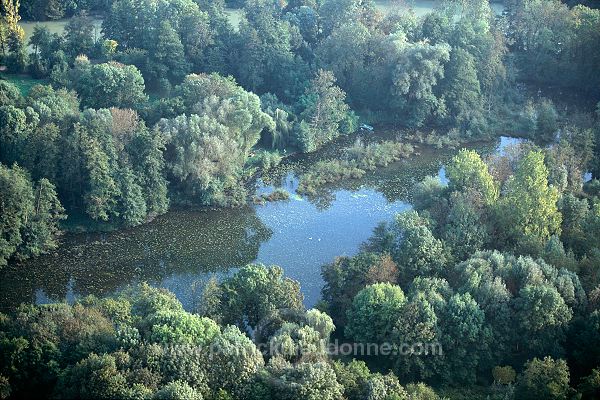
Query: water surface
(182, 249)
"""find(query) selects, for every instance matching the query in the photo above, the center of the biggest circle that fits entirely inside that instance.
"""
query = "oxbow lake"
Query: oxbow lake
(182, 249)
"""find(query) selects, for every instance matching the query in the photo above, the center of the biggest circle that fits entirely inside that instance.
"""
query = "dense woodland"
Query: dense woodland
(172, 105)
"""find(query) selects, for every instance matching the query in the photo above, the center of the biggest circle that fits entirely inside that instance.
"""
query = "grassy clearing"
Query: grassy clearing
(234, 16)
(23, 82)
(54, 26)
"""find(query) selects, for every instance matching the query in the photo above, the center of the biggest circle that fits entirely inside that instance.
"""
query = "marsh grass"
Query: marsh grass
(360, 158)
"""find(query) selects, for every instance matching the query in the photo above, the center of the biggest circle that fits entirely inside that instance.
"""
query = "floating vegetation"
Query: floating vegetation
(360, 159)
(276, 195)
(324, 172)
(451, 140)
(374, 155)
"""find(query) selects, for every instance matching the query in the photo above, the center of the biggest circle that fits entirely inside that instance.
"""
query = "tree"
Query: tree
(169, 55)
(465, 231)
(224, 100)
(30, 215)
(17, 203)
(462, 92)
(465, 338)
(255, 292)
(529, 210)
(546, 123)
(79, 39)
(416, 250)
(232, 360)
(177, 390)
(204, 160)
(108, 85)
(346, 276)
(325, 113)
(467, 171)
(374, 312)
(13, 133)
(417, 324)
(181, 328)
(94, 377)
(544, 379)
(419, 68)
(307, 381)
(12, 36)
(39, 235)
(207, 150)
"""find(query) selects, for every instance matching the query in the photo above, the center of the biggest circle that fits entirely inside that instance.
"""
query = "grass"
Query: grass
(374, 155)
(234, 16)
(23, 82)
(57, 26)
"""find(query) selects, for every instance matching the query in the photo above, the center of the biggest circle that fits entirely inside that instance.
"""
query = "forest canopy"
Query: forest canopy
(140, 106)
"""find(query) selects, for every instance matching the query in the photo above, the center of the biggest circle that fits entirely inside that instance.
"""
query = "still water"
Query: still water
(182, 249)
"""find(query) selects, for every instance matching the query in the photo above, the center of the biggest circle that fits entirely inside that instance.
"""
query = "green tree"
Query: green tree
(233, 360)
(311, 381)
(528, 210)
(79, 35)
(544, 379)
(462, 92)
(13, 133)
(169, 54)
(30, 215)
(416, 250)
(94, 377)
(465, 231)
(467, 171)
(255, 292)
(546, 123)
(325, 113)
(419, 68)
(374, 313)
(465, 338)
(177, 390)
(108, 85)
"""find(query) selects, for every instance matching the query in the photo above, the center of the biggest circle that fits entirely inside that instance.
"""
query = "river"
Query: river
(182, 249)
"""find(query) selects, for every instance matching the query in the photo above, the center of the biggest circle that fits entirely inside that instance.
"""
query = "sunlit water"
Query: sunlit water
(182, 249)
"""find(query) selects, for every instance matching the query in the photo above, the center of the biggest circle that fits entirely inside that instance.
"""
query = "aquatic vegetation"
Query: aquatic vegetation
(276, 195)
(374, 155)
(360, 159)
(325, 172)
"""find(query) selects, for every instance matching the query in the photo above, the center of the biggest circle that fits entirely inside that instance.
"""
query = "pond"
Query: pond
(182, 249)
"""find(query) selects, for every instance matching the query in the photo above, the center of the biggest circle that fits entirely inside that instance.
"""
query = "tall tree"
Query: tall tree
(529, 209)
(325, 115)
